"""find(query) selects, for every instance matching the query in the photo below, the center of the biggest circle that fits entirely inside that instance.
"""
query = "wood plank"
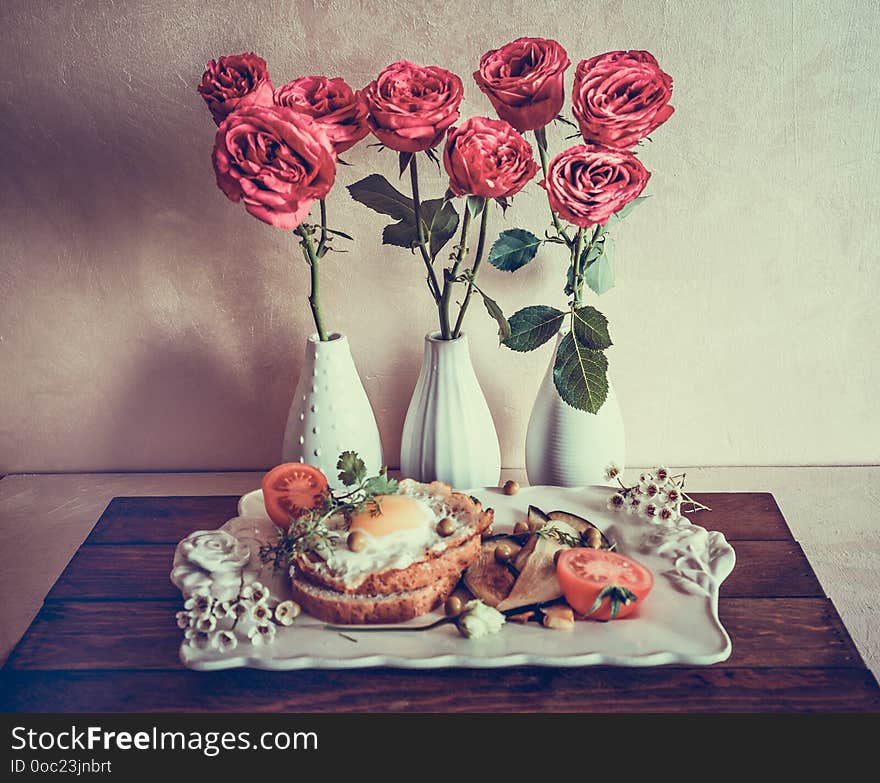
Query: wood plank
(741, 516)
(775, 632)
(160, 520)
(526, 689)
(111, 572)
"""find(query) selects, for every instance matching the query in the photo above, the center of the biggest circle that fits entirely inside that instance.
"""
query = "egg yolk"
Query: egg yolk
(395, 512)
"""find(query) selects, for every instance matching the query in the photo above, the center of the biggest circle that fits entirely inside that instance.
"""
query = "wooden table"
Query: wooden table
(106, 640)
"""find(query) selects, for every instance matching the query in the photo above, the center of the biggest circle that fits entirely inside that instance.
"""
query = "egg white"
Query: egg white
(395, 550)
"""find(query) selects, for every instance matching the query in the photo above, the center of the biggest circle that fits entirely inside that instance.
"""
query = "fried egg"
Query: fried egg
(400, 534)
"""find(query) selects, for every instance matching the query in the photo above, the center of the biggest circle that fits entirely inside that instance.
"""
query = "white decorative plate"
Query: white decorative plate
(677, 623)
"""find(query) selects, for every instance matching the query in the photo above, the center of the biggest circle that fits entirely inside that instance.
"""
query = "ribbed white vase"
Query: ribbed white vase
(566, 447)
(330, 412)
(448, 433)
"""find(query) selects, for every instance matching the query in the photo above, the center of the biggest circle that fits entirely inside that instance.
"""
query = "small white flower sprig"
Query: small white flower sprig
(658, 496)
(211, 624)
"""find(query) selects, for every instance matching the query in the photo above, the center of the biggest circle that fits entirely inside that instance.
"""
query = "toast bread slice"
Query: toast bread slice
(360, 609)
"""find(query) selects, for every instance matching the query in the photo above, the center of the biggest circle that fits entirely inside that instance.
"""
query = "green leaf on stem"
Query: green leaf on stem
(475, 205)
(439, 218)
(591, 328)
(513, 249)
(400, 235)
(377, 193)
(599, 273)
(440, 221)
(496, 313)
(580, 375)
(532, 326)
(626, 209)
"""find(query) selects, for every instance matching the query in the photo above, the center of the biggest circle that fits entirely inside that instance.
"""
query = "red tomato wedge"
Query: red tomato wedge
(602, 585)
(290, 489)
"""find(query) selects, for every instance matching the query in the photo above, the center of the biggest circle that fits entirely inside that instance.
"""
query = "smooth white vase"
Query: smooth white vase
(330, 412)
(566, 447)
(448, 433)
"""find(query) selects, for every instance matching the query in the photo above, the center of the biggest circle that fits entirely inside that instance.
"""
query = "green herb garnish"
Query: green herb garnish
(309, 532)
(563, 537)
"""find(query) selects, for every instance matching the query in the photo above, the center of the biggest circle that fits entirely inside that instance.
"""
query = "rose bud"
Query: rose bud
(587, 184)
(341, 111)
(278, 162)
(620, 97)
(524, 81)
(412, 106)
(234, 82)
(487, 158)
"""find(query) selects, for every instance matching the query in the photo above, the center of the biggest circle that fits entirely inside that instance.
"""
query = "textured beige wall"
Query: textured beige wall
(148, 323)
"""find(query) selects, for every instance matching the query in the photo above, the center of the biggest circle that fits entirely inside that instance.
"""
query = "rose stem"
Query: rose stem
(448, 282)
(323, 241)
(481, 244)
(541, 138)
(577, 251)
(579, 267)
(433, 286)
(312, 258)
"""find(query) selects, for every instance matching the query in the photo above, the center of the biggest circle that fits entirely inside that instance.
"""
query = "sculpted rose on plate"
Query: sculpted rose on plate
(210, 560)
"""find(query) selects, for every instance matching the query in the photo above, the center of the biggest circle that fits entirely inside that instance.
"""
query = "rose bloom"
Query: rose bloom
(411, 106)
(524, 81)
(620, 97)
(587, 184)
(278, 162)
(234, 82)
(487, 158)
(341, 111)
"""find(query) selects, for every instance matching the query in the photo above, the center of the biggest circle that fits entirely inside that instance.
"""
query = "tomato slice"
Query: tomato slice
(290, 489)
(602, 585)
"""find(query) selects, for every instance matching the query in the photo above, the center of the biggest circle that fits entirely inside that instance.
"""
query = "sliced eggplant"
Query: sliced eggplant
(537, 518)
(537, 580)
(486, 578)
(582, 526)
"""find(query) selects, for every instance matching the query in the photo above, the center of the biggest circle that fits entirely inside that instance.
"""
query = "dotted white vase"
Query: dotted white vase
(330, 412)
(566, 447)
(448, 434)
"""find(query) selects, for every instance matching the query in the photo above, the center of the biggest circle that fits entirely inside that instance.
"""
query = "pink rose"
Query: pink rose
(341, 111)
(587, 184)
(411, 106)
(234, 82)
(620, 97)
(487, 158)
(524, 81)
(277, 161)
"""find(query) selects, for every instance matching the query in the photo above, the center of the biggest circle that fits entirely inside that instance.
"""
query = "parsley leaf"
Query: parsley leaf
(352, 469)
(380, 485)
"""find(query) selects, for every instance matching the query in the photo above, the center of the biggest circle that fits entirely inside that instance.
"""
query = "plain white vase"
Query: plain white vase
(448, 433)
(566, 447)
(330, 412)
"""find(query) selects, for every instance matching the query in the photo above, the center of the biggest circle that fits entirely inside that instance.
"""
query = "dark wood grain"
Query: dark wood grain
(143, 635)
(743, 516)
(137, 572)
(452, 690)
(160, 520)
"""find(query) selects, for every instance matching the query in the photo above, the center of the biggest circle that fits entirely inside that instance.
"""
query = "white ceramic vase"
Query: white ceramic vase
(448, 433)
(330, 412)
(566, 447)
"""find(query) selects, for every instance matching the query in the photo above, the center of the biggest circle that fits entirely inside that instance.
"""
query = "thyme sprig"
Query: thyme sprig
(311, 532)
